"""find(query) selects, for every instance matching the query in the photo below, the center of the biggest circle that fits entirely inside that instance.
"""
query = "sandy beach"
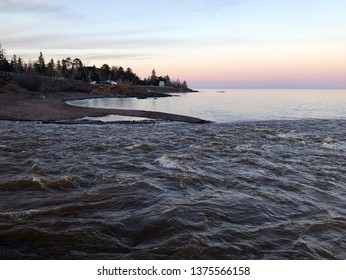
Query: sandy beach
(52, 108)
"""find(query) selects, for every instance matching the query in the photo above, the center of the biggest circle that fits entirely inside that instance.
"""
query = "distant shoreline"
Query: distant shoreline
(52, 108)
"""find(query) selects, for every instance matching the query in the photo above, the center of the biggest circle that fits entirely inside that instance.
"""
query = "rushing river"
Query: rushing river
(272, 189)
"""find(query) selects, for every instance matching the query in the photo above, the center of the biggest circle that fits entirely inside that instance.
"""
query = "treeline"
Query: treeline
(75, 69)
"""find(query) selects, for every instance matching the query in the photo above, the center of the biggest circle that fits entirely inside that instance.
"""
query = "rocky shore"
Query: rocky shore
(52, 108)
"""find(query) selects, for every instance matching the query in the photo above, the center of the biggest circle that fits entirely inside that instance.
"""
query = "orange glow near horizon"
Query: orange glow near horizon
(308, 67)
(281, 65)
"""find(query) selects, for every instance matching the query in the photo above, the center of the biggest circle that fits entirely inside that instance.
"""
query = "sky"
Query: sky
(208, 43)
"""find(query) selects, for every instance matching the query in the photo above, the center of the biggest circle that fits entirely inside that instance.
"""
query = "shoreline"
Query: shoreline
(52, 108)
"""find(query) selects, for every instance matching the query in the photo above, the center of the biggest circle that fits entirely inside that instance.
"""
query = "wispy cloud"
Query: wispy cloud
(36, 6)
(90, 40)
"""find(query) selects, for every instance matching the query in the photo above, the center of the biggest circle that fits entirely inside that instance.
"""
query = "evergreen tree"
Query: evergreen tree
(4, 64)
(105, 72)
(66, 67)
(94, 75)
(131, 77)
(29, 67)
(68, 63)
(120, 75)
(20, 65)
(153, 78)
(167, 80)
(77, 63)
(51, 68)
(79, 72)
(40, 65)
(184, 85)
(14, 64)
(59, 68)
(114, 70)
(2, 58)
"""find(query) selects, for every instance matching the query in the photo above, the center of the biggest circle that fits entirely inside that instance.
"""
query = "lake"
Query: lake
(230, 105)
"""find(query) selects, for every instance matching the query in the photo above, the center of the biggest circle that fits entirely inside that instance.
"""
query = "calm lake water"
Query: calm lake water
(237, 105)
(266, 180)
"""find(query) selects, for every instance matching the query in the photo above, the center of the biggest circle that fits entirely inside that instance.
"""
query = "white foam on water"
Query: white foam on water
(171, 162)
(22, 214)
(339, 146)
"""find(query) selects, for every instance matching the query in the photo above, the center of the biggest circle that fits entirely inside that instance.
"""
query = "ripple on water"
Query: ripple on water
(252, 190)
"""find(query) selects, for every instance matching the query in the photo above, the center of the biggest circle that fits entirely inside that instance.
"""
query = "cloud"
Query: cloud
(112, 56)
(116, 40)
(36, 6)
(89, 46)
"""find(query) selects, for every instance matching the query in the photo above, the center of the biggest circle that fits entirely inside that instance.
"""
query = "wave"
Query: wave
(38, 183)
(172, 162)
(254, 190)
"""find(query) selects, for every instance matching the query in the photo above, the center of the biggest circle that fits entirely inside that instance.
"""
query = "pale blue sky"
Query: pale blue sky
(209, 43)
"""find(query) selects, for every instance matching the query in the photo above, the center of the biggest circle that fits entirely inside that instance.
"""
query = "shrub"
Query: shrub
(31, 82)
(11, 87)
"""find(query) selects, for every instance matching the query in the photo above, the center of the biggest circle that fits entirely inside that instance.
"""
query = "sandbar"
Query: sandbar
(52, 108)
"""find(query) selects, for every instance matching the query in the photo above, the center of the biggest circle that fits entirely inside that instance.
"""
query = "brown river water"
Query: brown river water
(242, 190)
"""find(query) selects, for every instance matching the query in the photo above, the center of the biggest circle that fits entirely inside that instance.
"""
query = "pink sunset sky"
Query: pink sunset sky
(208, 43)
